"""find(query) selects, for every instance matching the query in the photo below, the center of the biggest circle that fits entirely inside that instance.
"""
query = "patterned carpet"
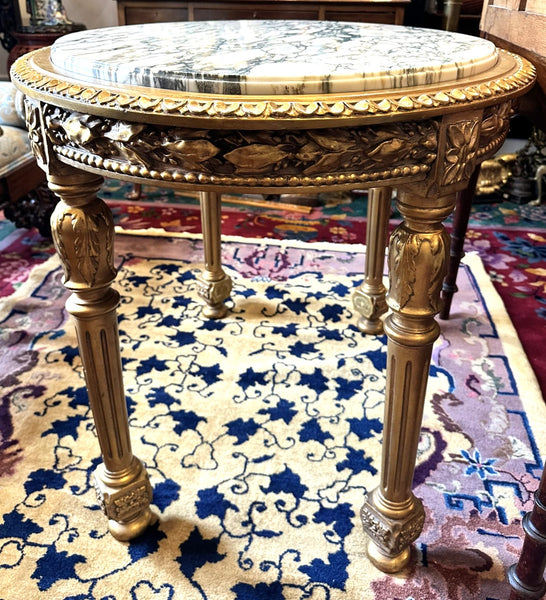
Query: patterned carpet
(261, 434)
(510, 239)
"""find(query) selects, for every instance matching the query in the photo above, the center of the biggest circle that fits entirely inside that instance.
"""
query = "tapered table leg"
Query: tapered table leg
(392, 516)
(369, 298)
(527, 576)
(461, 216)
(83, 232)
(215, 285)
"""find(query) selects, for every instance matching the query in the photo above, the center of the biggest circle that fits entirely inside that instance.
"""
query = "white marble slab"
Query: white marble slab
(271, 57)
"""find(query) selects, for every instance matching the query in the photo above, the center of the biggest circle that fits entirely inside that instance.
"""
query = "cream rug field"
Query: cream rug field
(261, 434)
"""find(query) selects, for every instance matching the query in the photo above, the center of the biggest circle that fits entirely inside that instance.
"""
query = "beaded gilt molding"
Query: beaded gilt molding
(30, 75)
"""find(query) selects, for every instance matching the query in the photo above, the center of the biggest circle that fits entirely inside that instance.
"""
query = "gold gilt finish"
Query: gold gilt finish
(369, 297)
(426, 143)
(82, 228)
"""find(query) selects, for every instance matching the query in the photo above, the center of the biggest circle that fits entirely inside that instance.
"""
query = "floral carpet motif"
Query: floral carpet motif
(261, 434)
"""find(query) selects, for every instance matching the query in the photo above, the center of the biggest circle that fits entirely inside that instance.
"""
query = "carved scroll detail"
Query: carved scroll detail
(250, 158)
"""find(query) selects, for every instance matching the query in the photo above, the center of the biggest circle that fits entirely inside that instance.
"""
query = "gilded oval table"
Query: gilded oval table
(267, 107)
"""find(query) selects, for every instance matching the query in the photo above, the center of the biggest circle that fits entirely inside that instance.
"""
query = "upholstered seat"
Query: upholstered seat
(20, 176)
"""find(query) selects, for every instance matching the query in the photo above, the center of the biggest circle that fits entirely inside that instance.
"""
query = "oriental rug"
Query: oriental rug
(261, 433)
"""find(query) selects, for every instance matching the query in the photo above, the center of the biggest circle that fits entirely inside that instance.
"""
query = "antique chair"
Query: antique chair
(24, 196)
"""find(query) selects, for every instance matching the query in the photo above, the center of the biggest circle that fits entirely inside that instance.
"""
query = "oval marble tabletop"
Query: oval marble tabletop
(271, 57)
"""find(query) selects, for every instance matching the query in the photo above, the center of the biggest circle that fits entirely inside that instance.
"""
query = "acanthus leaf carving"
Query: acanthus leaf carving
(407, 248)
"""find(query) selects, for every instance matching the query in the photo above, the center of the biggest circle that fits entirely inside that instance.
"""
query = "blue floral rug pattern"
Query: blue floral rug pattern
(261, 434)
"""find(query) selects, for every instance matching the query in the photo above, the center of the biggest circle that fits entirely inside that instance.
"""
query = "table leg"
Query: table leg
(215, 285)
(526, 577)
(463, 206)
(392, 516)
(369, 297)
(83, 232)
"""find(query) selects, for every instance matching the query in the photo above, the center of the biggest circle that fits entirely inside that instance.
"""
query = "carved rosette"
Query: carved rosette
(371, 306)
(420, 297)
(313, 157)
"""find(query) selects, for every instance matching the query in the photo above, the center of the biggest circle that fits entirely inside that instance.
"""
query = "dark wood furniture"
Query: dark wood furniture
(25, 197)
(503, 22)
(131, 12)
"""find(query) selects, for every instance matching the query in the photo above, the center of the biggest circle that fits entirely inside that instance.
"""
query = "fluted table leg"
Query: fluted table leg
(83, 232)
(369, 297)
(392, 516)
(215, 285)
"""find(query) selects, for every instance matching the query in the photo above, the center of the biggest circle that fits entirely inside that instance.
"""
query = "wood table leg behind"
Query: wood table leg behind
(215, 285)
(369, 297)
(392, 516)
(83, 232)
(461, 216)
(526, 577)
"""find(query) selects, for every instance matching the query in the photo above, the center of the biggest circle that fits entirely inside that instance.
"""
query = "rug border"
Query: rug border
(530, 396)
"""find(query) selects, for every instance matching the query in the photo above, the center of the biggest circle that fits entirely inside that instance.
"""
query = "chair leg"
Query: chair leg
(136, 192)
(461, 216)
(526, 577)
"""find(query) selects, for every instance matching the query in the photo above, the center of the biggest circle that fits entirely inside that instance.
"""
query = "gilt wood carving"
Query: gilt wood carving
(425, 140)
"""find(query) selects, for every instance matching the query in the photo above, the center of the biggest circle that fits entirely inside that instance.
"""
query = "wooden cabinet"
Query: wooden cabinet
(131, 12)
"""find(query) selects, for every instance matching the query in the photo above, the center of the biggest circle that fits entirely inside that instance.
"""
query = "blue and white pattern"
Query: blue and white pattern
(271, 57)
(261, 434)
